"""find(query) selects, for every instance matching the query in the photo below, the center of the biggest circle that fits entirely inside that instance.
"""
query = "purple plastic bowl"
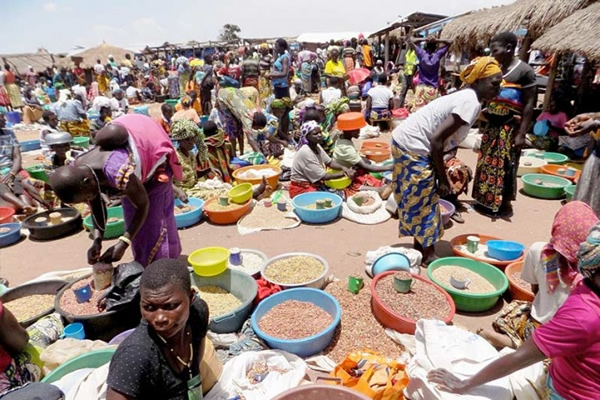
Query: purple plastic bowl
(450, 210)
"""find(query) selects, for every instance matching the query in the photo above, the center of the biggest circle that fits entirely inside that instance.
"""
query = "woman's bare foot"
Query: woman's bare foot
(496, 339)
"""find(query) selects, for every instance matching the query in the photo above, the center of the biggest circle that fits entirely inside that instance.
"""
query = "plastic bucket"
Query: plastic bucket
(74, 331)
(14, 117)
(141, 110)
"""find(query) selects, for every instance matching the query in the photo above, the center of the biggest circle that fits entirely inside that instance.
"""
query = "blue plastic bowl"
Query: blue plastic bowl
(504, 250)
(12, 236)
(30, 145)
(317, 216)
(391, 262)
(189, 218)
(388, 176)
(301, 347)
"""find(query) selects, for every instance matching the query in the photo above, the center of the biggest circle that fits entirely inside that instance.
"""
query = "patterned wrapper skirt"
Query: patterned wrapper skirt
(495, 177)
(76, 128)
(415, 192)
(424, 95)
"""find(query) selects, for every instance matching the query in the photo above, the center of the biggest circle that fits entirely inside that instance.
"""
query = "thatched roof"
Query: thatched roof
(540, 15)
(101, 53)
(537, 16)
(40, 60)
(577, 33)
(476, 28)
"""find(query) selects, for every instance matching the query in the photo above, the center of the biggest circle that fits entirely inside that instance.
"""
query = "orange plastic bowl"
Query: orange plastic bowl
(516, 291)
(377, 154)
(376, 145)
(461, 240)
(6, 215)
(351, 121)
(552, 169)
(226, 217)
(390, 319)
(273, 180)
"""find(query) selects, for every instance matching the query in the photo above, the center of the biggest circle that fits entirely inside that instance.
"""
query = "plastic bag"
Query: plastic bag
(258, 375)
(64, 350)
(372, 374)
(364, 209)
(126, 286)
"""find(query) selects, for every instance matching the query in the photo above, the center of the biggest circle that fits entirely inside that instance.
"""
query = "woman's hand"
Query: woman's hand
(583, 127)
(180, 194)
(94, 252)
(114, 253)
(446, 381)
(8, 179)
(349, 172)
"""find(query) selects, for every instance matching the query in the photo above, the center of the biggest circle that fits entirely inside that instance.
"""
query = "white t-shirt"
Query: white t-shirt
(380, 96)
(416, 132)
(330, 94)
(309, 166)
(545, 304)
(98, 69)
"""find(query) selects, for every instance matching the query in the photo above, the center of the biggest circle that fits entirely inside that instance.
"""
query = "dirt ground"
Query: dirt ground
(342, 243)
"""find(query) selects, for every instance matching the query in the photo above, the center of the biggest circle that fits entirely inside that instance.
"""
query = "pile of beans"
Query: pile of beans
(294, 319)
(294, 270)
(30, 306)
(219, 300)
(69, 303)
(516, 278)
(423, 300)
(358, 329)
(478, 285)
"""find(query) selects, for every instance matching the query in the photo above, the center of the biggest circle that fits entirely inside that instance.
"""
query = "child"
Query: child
(51, 121)
(99, 123)
(555, 118)
(119, 95)
(346, 155)
(60, 146)
(220, 151)
(165, 120)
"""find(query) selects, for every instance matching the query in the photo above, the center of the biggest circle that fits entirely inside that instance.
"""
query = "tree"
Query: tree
(230, 32)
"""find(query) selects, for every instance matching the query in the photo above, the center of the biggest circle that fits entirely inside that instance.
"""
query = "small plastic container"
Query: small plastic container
(83, 294)
(282, 205)
(235, 256)
(473, 244)
(355, 283)
(402, 283)
(74, 331)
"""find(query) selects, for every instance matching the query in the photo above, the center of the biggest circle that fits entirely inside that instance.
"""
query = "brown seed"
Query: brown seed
(294, 319)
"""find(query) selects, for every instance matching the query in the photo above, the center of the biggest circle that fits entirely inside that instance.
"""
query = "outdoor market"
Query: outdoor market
(409, 213)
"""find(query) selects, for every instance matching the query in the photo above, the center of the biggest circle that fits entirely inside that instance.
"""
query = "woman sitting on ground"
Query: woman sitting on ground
(309, 169)
(346, 155)
(220, 151)
(418, 150)
(263, 135)
(162, 358)
(551, 269)
(51, 126)
(186, 112)
(191, 151)
(33, 111)
(71, 115)
(380, 100)
(571, 340)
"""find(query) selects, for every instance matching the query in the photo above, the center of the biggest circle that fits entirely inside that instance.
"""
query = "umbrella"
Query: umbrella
(358, 75)
(196, 62)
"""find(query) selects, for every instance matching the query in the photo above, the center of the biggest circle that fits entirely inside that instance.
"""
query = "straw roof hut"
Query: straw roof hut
(39, 60)
(577, 33)
(101, 53)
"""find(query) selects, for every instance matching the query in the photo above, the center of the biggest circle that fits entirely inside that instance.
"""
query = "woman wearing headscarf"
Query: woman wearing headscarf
(220, 151)
(418, 150)
(551, 269)
(208, 83)
(134, 156)
(72, 116)
(570, 339)
(191, 152)
(305, 60)
(187, 112)
(264, 64)
(14, 93)
(309, 169)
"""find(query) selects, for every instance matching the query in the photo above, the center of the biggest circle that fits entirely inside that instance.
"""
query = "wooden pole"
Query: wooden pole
(527, 42)
(387, 47)
(551, 80)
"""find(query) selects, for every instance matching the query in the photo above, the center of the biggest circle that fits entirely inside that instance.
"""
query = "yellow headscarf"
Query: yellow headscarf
(480, 68)
(264, 46)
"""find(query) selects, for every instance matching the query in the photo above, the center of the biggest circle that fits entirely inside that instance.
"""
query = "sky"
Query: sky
(63, 25)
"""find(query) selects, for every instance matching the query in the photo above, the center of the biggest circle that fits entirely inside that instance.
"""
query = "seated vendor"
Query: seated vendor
(551, 269)
(196, 103)
(380, 100)
(165, 119)
(100, 122)
(161, 358)
(263, 135)
(346, 155)
(50, 126)
(309, 169)
(61, 151)
(219, 151)
(191, 151)
(314, 114)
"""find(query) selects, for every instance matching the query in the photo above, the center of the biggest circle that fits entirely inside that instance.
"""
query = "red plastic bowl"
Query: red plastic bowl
(6, 215)
(390, 319)
(516, 291)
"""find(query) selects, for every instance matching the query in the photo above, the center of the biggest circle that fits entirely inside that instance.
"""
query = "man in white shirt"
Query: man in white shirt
(332, 93)
(379, 100)
(98, 68)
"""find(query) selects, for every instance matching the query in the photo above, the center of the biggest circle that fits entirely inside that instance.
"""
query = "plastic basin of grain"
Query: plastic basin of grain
(519, 289)
(240, 285)
(465, 301)
(93, 359)
(293, 270)
(9, 233)
(304, 201)
(115, 226)
(570, 192)
(447, 209)
(26, 292)
(192, 217)
(545, 186)
(308, 346)
(272, 175)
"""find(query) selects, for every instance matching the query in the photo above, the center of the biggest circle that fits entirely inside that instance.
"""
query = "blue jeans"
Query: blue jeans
(553, 394)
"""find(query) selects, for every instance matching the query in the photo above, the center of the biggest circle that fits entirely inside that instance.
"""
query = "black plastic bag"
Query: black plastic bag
(125, 287)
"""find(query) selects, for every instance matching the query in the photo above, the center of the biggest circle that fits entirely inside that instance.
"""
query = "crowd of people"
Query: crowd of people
(264, 103)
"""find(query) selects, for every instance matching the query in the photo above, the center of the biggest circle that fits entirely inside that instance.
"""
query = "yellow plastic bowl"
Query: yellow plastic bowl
(339, 183)
(241, 193)
(209, 261)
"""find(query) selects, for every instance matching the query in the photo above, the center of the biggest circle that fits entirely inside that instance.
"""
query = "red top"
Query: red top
(9, 77)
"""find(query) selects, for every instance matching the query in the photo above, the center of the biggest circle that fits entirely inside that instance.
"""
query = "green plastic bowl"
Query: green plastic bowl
(38, 171)
(570, 192)
(544, 192)
(172, 102)
(466, 301)
(82, 142)
(93, 359)
(113, 229)
(555, 158)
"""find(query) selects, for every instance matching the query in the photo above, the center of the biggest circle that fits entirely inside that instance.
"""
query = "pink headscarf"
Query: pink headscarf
(571, 226)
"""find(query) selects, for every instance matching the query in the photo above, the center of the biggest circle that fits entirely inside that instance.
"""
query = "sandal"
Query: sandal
(456, 217)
